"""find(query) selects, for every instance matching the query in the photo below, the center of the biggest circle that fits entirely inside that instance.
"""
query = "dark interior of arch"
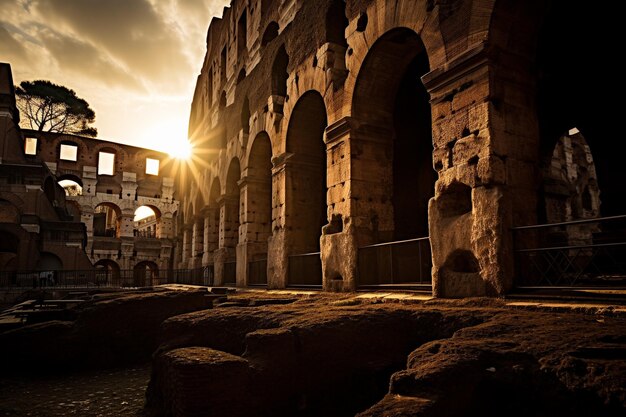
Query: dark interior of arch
(279, 73)
(577, 84)
(391, 96)
(260, 170)
(305, 139)
(336, 23)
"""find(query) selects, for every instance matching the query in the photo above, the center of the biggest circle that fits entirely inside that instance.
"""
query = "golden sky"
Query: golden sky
(134, 61)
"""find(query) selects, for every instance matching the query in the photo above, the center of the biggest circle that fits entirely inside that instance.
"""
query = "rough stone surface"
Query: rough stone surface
(343, 355)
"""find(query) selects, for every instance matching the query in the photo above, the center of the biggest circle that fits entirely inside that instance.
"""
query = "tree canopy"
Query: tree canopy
(45, 106)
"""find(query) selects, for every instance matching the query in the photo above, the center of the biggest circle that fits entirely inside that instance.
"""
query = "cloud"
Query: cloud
(85, 60)
(131, 31)
(11, 50)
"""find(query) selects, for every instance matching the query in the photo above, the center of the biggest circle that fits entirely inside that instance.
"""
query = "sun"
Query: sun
(170, 137)
(182, 151)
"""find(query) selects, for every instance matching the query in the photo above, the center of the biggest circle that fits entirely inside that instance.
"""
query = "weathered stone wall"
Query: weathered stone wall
(428, 115)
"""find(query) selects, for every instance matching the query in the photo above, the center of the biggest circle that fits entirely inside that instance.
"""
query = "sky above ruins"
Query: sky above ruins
(134, 61)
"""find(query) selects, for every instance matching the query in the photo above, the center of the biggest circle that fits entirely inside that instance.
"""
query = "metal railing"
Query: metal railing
(405, 262)
(305, 270)
(257, 272)
(589, 252)
(196, 276)
(230, 273)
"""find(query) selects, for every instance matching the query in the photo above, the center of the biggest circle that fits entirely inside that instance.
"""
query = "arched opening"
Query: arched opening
(231, 223)
(336, 23)
(9, 247)
(391, 101)
(223, 100)
(271, 32)
(72, 185)
(259, 207)
(107, 220)
(245, 116)
(107, 273)
(566, 56)
(214, 213)
(279, 73)
(146, 274)
(49, 262)
(393, 108)
(306, 201)
(147, 222)
(241, 76)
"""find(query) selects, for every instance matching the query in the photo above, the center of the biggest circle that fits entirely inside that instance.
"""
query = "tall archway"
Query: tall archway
(259, 206)
(391, 101)
(147, 222)
(107, 273)
(145, 274)
(107, 220)
(72, 184)
(393, 108)
(306, 194)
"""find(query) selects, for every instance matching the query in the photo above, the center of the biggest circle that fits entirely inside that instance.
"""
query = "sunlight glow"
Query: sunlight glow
(167, 136)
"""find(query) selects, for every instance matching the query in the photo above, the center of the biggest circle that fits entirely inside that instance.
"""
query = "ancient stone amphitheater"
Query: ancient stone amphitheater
(360, 143)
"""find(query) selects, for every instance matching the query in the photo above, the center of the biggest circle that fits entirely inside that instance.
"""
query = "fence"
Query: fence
(305, 270)
(230, 273)
(100, 278)
(405, 262)
(257, 272)
(589, 252)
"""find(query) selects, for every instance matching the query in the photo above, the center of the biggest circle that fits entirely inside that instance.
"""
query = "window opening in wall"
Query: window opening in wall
(106, 163)
(223, 66)
(68, 152)
(271, 32)
(152, 166)
(72, 188)
(145, 222)
(30, 146)
(106, 221)
(242, 33)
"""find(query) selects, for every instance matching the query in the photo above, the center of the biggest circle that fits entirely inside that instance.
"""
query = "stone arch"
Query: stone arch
(336, 23)
(49, 261)
(270, 33)
(107, 220)
(72, 184)
(306, 196)
(392, 107)
(280, 73)
(149, 226)
(230, 232)
(145, 274)
(259, 176)
(107, 272)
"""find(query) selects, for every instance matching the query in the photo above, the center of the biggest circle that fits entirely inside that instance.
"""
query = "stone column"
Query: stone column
(187, 234)
(228, 236)
(483, 153)
(211, 234)
(278, 248)
(255, 225)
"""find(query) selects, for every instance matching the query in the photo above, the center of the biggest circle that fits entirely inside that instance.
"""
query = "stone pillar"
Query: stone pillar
(228, 236)
(187, 234)
(211, 234)
(127, 224)
(347, 206)
(483, 169)
(278, 248)
(129, 185)
(255, 225)
(197, 243)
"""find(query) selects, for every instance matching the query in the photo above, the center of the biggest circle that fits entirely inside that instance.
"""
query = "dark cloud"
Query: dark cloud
(84, 59)
(131, 31)
(10, 48)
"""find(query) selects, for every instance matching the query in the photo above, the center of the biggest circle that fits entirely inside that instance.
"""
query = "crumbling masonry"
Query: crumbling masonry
(323, 128)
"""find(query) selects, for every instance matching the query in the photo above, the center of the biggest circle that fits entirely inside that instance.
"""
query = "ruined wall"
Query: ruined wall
(127, 187)
(418, 118)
